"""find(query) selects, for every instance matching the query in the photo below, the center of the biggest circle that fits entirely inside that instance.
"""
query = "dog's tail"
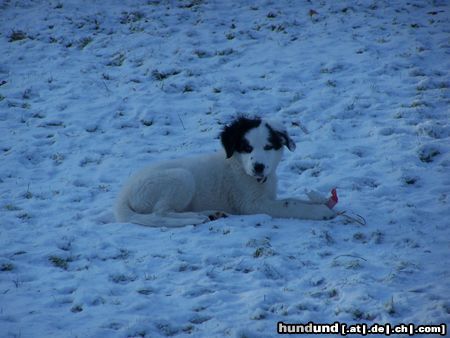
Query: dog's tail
(125, 214)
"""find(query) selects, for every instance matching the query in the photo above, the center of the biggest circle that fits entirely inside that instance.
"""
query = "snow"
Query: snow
(91, 91)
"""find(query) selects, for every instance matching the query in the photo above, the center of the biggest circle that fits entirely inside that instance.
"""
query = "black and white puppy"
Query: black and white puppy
(241, 180)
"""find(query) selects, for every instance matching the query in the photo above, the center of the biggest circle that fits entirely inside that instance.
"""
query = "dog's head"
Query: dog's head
(257, 144)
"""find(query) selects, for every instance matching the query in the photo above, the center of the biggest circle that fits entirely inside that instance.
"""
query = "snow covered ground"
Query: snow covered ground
(92, 90)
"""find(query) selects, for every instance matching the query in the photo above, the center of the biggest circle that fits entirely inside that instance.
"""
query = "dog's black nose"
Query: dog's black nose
(259, 168)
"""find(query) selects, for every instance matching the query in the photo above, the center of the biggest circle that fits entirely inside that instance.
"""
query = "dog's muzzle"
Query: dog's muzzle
(261, 179)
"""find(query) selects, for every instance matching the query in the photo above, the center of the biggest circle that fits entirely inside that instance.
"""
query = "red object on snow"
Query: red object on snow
(332, 201)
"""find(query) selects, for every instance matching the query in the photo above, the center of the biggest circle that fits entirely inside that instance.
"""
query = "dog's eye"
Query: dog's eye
(268, 147)
(247, 148)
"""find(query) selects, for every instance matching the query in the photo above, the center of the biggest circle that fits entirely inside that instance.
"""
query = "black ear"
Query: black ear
(228, 138)
(281, 134)
(233, 133)
(287, 141)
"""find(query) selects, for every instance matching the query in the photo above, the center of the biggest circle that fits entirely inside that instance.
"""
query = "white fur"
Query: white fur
(185, 191)
(270, 158)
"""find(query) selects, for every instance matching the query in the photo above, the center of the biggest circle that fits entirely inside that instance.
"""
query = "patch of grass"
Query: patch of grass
(259, 315)
(11, 207)
(428, 155)
(160, 76)
(202, 53)
(277, 28)
(191, 4)
(54, 123)
(92, 128)
(230, 36)
(331, 70)
(261, 252)
(332, 293)
(28, 195)
(129, 17)
(410, 180)
(186, 267)
(89, 160)
(59, 262)
(17, 282)
(325, 235)
(399, 115)
(353, 265)
(331, 83)
(24, 216)
(348, 264)
(83, 42)
(389, 306)
(418, 103)
(187, 89)
(377, 237)
(147, 123)
(358, 315)
(258, 252)
(199, 319)
(6, 267)
(13, 104)
(17, 36)
(76, 309)
(443, 85)
(98, 301)
(103, 187)
(360, 237)
(58, 158)
(313, 15)
(27, 94)
(121, 278)
(145, 292)
(188, 329)
(117, 60)
(227, 51)
(119, 113)
(123, 254)
(167, 329)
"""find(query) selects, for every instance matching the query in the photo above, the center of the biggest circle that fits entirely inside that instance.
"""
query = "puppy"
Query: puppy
(241, 179)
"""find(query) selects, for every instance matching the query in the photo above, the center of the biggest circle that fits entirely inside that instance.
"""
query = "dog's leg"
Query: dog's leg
(292, 208)
(160, 199)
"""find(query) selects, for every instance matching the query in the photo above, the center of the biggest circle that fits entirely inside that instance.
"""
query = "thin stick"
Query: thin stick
(107, 89)
(182, 124)
(361, 220)
(354, 256)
